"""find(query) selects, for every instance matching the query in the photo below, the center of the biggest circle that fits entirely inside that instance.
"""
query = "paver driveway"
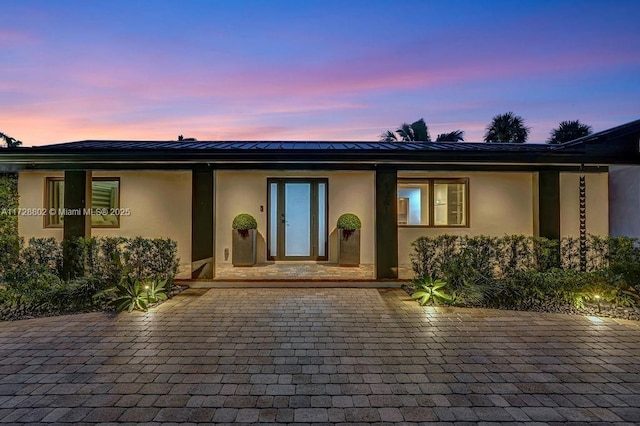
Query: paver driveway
(318, 355)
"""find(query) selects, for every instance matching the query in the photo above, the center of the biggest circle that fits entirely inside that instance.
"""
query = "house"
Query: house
(190, 191)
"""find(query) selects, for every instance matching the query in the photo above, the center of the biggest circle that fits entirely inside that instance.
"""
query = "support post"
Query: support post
(77, 221)
(202, 225)
(386, 224)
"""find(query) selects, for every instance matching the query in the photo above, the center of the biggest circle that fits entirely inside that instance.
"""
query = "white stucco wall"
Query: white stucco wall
(31, 187)
(597, 205)
(499, 204)
(624, 201)
(246, 191)
(160, 203)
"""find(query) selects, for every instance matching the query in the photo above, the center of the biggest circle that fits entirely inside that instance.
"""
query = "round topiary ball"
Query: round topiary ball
(243, 222)
(349, 222)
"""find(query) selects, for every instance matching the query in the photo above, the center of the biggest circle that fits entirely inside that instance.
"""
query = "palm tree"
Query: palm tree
(507, 128)
(455, 136)
(11, 142)
(568, 131)
(388, 136)
(414, 132)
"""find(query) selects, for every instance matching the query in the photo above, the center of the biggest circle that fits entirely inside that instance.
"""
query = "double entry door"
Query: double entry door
(297, 222)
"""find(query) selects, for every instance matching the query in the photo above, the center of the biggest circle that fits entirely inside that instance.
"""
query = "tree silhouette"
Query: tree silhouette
(414, 132)
(568, 131)
(507, 128)
(11, 142)
(455, 136)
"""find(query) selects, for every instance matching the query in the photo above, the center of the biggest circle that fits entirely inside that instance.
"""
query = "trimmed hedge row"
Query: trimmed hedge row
(498, 257)
(520, 272)
(34, 285)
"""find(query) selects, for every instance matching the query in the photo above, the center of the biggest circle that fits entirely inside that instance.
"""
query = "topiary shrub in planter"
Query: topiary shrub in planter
(244, 240)
(349, 239)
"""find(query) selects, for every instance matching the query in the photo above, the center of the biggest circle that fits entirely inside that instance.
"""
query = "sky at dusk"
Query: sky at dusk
(311, 70)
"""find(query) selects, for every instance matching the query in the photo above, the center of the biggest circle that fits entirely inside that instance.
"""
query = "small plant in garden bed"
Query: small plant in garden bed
(429, 289)
(132, 294)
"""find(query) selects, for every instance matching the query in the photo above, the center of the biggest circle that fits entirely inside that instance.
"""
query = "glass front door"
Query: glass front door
(297, 219)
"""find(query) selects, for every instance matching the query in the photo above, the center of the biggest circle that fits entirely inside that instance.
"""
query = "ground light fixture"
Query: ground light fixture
(597, 297)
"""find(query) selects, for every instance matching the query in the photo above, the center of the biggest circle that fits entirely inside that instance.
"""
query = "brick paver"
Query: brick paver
(295, 271)
(318, 355)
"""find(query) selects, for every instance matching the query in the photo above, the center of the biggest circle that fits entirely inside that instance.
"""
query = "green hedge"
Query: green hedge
(34, 285)
(9, 241)
(522, 272)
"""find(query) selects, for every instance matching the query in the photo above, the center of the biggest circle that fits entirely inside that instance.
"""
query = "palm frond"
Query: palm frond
(388, 136)
(455, 136)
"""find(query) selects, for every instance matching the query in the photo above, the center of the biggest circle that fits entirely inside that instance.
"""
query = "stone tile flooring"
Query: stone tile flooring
(318, 355)
(294, 271)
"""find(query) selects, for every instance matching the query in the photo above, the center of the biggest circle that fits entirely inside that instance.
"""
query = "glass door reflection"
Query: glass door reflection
(297, 221)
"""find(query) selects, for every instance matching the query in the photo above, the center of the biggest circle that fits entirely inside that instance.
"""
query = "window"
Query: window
(433, 202)
(449, 205)
(413, 203)
(105, 202)
(55, 202)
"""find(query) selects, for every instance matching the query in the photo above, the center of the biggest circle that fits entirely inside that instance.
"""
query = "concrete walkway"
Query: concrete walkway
(318, 355)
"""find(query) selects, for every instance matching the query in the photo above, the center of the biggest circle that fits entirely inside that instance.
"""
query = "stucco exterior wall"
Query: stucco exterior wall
(499, 204)
(160, 203)
(31, 196)
(624, 201)
(246, 192)
(597, 196)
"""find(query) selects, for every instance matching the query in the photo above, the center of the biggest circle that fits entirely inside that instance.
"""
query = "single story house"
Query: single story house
(190, 191)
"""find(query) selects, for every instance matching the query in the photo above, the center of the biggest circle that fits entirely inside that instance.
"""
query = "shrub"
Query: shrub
(112, 267)
(9, 240)
(40, 293)
(515, 253)
(519, 272)
(244, 222)
(45, 253)
(34, 286)
(9, 252)
(164, 264)
(132, 294)
(429, 289)
(129, 295)
(75, 250)
(349, 222)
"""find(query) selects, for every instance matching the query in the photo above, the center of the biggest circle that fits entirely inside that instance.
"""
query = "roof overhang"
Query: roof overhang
(619, 145)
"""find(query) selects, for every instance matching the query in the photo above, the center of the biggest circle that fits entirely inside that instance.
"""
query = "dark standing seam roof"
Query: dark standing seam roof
(618, 145)
(110, 145)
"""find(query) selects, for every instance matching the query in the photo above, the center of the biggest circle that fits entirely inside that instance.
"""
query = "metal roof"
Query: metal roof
(618, 145)
(119, 145)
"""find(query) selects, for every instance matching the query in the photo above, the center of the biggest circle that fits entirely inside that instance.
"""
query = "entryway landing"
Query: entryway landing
(295, 270)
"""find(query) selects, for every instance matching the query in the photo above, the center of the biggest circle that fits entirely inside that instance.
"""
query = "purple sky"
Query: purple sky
(311, 70)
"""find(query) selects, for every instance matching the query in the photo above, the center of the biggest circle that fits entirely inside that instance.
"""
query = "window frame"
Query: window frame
(47, 206)
(103, 178)
(430, 182)
(47, 218)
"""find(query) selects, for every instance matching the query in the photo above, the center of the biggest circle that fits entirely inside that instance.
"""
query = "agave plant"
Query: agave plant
(430, 290)
(155, 290)
(130, 295)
